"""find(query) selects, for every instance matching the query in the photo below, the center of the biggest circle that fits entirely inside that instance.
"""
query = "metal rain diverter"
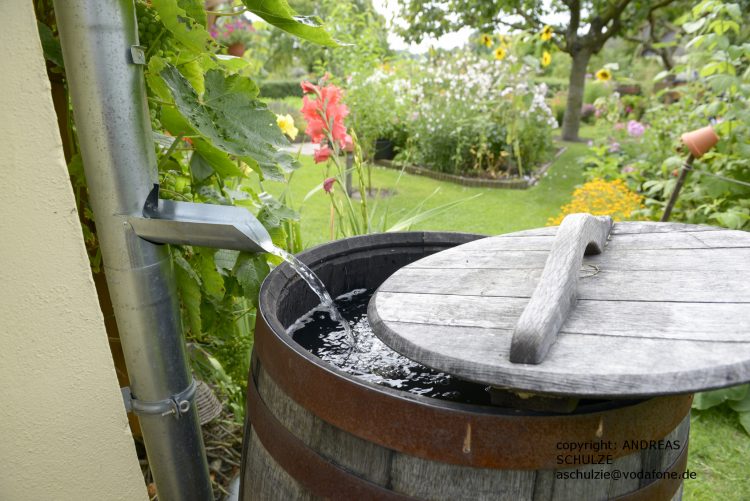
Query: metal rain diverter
(592, 309)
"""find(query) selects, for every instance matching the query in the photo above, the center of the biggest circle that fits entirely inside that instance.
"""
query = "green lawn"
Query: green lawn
(719, 449)
(495, 211)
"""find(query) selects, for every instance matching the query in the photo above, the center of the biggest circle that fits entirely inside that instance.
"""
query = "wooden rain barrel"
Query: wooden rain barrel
(313, 432)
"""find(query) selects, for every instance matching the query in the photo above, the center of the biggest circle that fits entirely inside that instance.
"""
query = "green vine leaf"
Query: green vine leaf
(194, 9)
(278, 13)
(155, 84)
(184, 28)
(232, 120)
(251, 270)
(50, 45)
(217, 159)
(188, 286)
(213, 282)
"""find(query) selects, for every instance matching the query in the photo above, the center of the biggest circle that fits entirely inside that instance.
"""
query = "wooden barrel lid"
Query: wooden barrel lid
(664, 309)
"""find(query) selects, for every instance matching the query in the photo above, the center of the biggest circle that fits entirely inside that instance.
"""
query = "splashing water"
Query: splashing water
(372, 360)
(318, 288)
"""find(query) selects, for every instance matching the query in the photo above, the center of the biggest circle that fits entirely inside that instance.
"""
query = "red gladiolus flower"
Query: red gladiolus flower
(325, 115)
(328, 184)
(322, 154)
(309, 88)
(348, 143)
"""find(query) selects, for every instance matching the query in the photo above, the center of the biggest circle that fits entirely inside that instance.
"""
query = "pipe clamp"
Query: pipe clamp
(176, 405)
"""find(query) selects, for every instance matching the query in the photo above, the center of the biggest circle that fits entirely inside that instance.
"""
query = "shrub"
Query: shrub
(376, 110)
(472, 115)
(558, 103)
(279, 89)
(650, 162)
(595, 90)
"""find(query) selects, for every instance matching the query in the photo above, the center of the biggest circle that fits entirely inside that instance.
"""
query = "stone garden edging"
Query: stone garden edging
(474, 182)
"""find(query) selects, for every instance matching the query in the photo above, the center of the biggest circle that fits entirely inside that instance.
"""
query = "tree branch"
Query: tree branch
(515, 26)
(571, 38)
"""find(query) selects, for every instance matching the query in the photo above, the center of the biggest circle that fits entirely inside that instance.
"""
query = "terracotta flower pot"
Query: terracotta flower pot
(700, 141)
(236, 49)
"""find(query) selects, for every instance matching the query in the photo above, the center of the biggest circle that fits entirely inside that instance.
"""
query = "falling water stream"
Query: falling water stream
(348, 342)
(318, 288)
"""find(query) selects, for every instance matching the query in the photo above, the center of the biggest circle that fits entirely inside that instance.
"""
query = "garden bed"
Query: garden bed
(475, 182)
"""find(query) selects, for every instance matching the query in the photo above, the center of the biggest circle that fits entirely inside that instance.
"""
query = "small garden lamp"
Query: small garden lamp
(698, 143)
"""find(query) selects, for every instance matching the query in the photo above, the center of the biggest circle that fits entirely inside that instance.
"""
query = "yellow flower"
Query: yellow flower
(603, 75)
(602, 198)
(286, 124)
(486, 40)
(504, 39)
(500, 53)
(546, 34)
(546, 58)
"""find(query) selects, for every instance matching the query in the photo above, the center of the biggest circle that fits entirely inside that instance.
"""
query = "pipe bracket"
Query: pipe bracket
(138, 54)
(176, 405)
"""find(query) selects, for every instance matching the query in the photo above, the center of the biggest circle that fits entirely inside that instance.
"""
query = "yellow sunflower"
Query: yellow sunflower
(546, 33)
(500, 53)
(604, 75)
(486, 40)
(504, 40)
(546, 58)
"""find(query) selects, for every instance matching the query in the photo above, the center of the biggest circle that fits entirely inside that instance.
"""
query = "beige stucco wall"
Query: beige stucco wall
(63, 430)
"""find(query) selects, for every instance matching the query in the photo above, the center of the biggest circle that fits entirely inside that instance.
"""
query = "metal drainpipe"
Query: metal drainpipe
(114, 130)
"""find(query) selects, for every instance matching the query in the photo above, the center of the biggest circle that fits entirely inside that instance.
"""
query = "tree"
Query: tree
(354, 23)
(590, 24)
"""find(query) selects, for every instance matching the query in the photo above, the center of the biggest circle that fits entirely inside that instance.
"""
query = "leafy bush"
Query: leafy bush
(595, 90)
(279, 89)
(377, 112)
(471, 115)
(554, 84)
(558, 103)
(651, 161)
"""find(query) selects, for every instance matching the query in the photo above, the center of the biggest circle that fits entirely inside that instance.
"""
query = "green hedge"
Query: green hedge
(554, 84)
(279, 89)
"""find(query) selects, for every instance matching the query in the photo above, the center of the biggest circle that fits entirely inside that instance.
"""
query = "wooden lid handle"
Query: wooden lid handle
(555, 294)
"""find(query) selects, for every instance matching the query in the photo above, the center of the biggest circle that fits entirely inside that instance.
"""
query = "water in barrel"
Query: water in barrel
(372, 360)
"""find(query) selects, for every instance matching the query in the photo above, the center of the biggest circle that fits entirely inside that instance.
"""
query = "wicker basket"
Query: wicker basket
(206, 402)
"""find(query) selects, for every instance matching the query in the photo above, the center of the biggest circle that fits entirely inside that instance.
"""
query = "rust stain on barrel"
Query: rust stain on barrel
(467, 439)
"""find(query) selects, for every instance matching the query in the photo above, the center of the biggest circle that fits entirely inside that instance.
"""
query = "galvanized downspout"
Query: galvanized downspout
(114, 130)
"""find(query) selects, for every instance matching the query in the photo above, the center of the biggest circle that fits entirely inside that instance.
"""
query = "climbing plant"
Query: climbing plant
(215, 142)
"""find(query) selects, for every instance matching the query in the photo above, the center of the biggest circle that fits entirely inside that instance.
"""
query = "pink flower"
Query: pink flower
(308, 87)
(325, 114)
(328, 184)
(619, 126)
(635, 129)
(614, 147)
(348, 143)
(628, 169)
(322, 154)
